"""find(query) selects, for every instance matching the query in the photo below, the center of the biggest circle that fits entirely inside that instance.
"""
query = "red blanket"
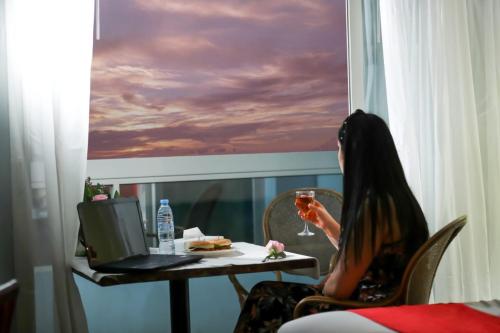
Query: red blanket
(432, 318)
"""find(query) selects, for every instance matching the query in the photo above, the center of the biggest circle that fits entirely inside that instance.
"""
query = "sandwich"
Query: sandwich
(210, 245)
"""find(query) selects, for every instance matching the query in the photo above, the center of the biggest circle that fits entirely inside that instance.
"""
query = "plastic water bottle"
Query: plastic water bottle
(165, 223)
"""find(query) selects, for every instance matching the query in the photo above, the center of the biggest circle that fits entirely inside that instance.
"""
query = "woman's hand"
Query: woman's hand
(319, 216)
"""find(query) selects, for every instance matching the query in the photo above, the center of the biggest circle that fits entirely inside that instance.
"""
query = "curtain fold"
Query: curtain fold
(48, 52)
(373, 60)
(442, 75)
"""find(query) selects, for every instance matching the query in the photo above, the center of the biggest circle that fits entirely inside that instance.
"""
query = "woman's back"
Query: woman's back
(381, 219)
(384, 274)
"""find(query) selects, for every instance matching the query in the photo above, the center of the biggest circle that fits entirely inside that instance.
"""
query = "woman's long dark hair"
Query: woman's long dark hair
(374, 181)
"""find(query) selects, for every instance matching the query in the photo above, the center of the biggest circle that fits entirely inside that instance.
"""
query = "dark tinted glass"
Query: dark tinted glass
(112, 229)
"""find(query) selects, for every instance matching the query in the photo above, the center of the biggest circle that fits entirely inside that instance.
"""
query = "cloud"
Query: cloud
(246, 10)
(295, 81)
(184, 140)
(164, 139)
(141, 101)
(217, 77)
(107, 77)
(273, 94)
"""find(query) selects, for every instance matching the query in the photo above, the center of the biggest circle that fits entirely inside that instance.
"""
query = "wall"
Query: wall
(6, 250)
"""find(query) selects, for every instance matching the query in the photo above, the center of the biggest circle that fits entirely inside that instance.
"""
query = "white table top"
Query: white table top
(246, 258)
(245, 254)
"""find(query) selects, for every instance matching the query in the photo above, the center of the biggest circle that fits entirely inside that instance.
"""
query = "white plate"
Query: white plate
(215, 253)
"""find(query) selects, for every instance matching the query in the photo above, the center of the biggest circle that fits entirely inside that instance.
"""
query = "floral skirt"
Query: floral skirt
(271, 303)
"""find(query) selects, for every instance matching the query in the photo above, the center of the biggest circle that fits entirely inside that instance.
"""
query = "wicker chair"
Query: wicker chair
(201, 211)
(417, 279)
(8, 296)
(282, 223)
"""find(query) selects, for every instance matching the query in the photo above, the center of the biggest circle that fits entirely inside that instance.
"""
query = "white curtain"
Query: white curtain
(443, 90)
(48, 50)
(375, 96)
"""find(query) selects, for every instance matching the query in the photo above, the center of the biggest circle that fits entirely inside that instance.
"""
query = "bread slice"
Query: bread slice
(210, 245)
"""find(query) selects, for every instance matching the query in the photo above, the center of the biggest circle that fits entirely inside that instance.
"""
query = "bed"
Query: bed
(481, 316)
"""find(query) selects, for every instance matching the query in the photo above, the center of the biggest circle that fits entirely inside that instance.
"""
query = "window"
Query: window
(225, 89)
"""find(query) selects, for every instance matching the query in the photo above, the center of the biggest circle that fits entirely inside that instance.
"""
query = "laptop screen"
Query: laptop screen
(112, 229)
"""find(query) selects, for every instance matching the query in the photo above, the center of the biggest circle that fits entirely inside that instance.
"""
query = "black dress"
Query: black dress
(271, 303)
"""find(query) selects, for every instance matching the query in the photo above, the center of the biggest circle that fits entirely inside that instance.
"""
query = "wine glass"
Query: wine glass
(302, 201)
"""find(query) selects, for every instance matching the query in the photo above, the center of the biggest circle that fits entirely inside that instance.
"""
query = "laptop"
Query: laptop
(114, 239)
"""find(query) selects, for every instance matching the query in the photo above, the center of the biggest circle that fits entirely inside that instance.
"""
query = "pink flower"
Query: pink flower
(275, 249)
(276, 246)
(100, 197)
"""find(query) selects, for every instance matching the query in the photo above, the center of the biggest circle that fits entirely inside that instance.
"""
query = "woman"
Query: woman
(381, 227)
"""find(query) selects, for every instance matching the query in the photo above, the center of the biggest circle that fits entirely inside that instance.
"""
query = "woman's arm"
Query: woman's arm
(319, 216)
(346, 275)
(344, 279)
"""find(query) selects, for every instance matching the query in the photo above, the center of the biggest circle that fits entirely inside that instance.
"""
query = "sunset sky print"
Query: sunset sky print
(186, 77)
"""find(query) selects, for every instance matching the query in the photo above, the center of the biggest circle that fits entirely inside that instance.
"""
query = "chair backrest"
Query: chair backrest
(282, 223)
(419, 274)
(201, 211)
(8, 296)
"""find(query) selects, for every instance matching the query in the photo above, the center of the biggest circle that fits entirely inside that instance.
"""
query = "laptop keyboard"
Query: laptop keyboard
(148, 262)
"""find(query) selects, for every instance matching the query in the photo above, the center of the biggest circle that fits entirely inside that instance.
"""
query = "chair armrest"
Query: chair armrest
(326, 300)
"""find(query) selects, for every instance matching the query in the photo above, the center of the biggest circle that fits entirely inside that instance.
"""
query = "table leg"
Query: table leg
(179, 306)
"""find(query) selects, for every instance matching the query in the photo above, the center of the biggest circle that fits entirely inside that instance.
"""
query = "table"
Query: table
(246, 258)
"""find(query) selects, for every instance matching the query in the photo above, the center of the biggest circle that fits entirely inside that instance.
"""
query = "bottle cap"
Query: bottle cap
(164, 202)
